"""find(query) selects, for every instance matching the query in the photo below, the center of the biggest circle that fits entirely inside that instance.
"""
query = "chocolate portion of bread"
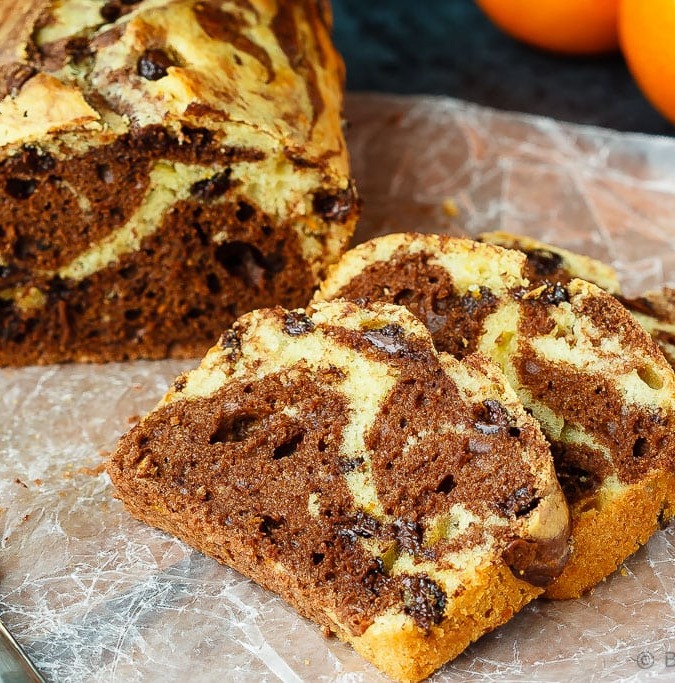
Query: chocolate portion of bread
(196, 145)
(655, 311)
(602, 391)
(396, 496)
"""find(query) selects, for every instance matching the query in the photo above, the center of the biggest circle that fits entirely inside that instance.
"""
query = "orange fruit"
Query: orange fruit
(647, 31)
(574, 27)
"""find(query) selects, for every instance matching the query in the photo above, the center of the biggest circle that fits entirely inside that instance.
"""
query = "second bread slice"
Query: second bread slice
(581, 364)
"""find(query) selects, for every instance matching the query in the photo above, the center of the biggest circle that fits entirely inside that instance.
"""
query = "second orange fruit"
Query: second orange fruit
(648, 42)
(576, 27)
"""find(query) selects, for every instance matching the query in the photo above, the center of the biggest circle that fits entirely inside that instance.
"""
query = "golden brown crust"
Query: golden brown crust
(612, 529)
(495, 598)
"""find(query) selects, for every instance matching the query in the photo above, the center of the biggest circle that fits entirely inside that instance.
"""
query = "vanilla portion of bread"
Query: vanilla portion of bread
(602, 391)
(397, 496)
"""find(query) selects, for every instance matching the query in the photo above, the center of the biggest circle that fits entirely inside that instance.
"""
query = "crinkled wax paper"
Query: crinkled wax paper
(95, 596)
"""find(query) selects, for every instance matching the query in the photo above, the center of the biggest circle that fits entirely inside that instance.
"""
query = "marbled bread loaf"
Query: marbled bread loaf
(580, 363)
(165, 165)
(396, 496)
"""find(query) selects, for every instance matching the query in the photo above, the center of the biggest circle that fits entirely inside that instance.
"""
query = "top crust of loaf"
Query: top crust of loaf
(555, 264)
(263, 73)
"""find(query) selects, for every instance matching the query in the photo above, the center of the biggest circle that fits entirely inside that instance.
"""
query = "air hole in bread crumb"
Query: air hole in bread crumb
(132, 314)
(244, 212)
(317, 558)
(446, 485)
(640, 447)
(289, 447)
(403, 297)
(213, 283)
(234, 429)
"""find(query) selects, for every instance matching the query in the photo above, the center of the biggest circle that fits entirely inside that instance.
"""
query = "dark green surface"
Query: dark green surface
(448, 47)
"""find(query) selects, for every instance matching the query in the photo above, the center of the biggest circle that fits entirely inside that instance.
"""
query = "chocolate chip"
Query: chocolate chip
(180, 383)
(472, 302)
(247, 262)
(153, 64)
(544, 262)
(359, 526)
(334, 206)
(213, 187)
(409, 535)
(521, 502)
(424, 600)
(390, 339)
(244, 212)
(554, 294)
(349, 465)
(230, 340)
(111, 11)
(296, 324)
(37, 161)
(491, 417)
(20, 188)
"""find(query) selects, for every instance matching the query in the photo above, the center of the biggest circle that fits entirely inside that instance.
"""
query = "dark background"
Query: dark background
(448, 47)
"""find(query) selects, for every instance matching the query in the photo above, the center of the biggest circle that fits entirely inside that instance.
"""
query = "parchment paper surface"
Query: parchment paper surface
(95, 596)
